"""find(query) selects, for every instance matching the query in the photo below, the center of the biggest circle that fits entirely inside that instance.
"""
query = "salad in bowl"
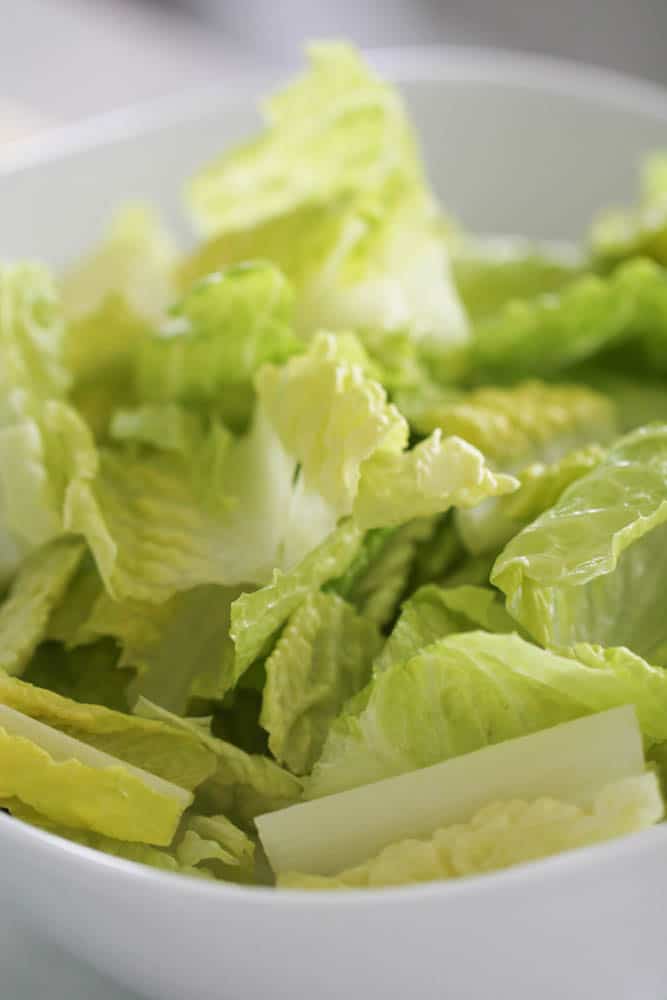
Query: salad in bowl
(333, 549)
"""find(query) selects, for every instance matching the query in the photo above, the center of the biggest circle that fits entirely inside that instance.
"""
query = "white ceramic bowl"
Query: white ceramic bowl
(513, 144)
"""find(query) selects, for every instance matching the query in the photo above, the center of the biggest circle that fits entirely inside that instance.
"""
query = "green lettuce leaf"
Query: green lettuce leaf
(378, 576)
(73, 784)
(500, 835)
(331, 417)
(134, 261)
(591, 568)
(529, 422)
(339, 202)
(40, 439)
(37, 588)
(211, 840)
(243, 785)
(491, 272)
(157, 747)
(226, 327)
(144, 854)
(590, 316)
(435, 475)
(433, 613)
(89, 675)
(101, 349)
(322, 658)
(490, 525)
(619, 234)
(637, 400)
(256, 617)
(438, 555)
(468, 691)
(180, 649)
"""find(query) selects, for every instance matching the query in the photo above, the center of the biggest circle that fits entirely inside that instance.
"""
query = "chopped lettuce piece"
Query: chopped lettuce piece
(207, 839)
(637, 400)
(144, 854)
(377, 578)
(180, 649)
(500, 835)
(72, 612)
(38, 587)
(40, 441)
(435, 475)
(223, 514)
(134, 262)
(571, 762)
(470, 690)
(72, 783)
(574, 574)
(89, 674)
(243, 785)
(490, 525)
(226, 327)
(322, 658)
(491, 272)
(619, 234)
(590, 316)
(529, 422)
(331, 417)
(433, 613)
(437, 556)
(158, 747)
(339, 202)
(256, 617)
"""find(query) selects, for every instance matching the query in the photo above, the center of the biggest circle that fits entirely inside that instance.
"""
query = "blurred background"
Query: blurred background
(63, 60)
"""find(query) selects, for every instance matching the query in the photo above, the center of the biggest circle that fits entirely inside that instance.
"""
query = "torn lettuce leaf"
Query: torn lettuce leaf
(500, 835)
(37, 430)
(491, 272)
(472, 690)
(256, 617)
(378, 576)
(435, 475)
(339, 202)
(525, 423)
(491, 524)
(144, 854)
(243, 785)
(37, 588)
(637, 400)
(591, 316)
(322, 659)
(73, 784)
(432, 613)
(90, 674)
(160, 748)
(574, 574)
(205, 840)
(101, 351)
(226, 513)
(218, 336)
(180, 649)
(619, 234)
(331, 417)
(134, 262)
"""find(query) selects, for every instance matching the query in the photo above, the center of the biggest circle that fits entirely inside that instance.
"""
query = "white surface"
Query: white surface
(509, 144)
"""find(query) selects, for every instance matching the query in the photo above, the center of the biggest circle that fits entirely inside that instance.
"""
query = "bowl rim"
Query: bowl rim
(548, 873)
(403, 65)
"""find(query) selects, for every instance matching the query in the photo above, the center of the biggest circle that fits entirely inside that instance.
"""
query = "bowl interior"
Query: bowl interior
(512, 144)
